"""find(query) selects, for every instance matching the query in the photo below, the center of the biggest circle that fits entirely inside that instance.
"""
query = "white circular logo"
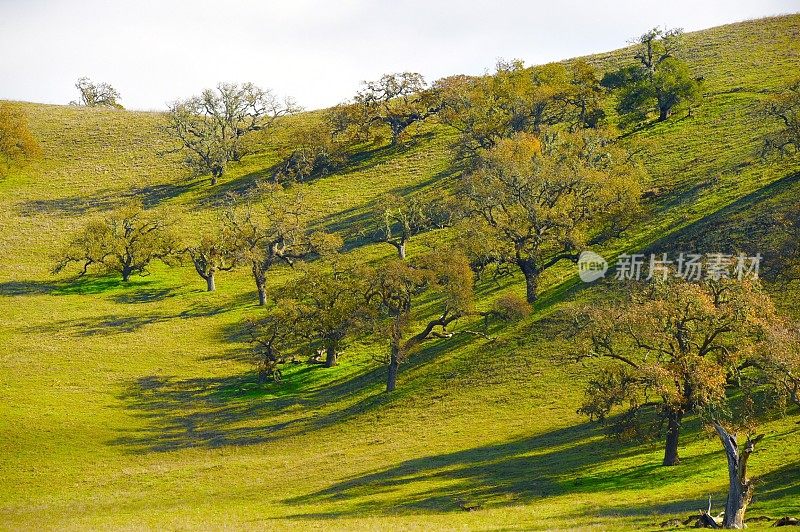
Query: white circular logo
(591, 266)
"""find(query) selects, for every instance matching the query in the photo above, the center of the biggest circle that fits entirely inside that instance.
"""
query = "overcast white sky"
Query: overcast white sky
(317, 51)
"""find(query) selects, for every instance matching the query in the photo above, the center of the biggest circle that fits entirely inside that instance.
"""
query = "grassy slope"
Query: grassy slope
(134, 406)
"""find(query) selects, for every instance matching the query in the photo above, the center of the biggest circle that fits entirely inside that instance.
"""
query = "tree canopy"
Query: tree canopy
(211, 127)
(125, 242)
(538, 203)
(17, 143)
(395, 101)
(678, 347)
(517, 99)
(91, 94)
(660, 81)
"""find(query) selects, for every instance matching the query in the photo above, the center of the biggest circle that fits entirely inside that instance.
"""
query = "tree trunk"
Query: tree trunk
(663, 113)
(330, 355)
(401, 250)
(261, 284)
(531, 280)
(126, 274)
(740, 488)
(262, 294)
(397, 129)
(673, 432)
(394, 366)
(216, 173)
(210, 283)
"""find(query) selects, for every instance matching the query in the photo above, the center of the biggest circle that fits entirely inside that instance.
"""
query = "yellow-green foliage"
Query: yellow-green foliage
(138, 406)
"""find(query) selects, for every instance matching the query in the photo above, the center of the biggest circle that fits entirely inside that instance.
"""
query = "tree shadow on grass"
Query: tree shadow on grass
(144, 296)
(71, 205)
(99, 326)
(561, 461)
(780, 485)
(721, 231)
(27, 288)
(199, 412)
(153, 195)
(235, 410)
(87, 285)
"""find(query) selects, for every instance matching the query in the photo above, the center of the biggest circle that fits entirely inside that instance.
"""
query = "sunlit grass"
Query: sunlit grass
(138, 406)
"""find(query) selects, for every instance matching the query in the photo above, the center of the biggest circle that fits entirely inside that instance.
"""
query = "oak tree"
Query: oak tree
(540, 203)
(332, 305)
(660, 81)
(783, 108)
(211, 127)
(517, 99)
(274, 338)
(315, 150)
(396, 101)
(396, 219)
(214, 252)
(674, 347)
(125, 242)
(394, 288)
(269, 226)
(91, 94)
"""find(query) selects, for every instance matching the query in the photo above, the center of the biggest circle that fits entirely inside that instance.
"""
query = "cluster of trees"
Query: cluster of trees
(540, 179)
(210, 128)
(328, 303)
(671, 348)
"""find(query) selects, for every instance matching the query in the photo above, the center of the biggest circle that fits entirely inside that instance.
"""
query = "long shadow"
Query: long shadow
(88, 285)
(782, 484)
(71, 205)
(155, 194)
(103, 325)
(144, 296)
(227, 411)
(564, 460)
(105, 200)
(211, 412)
(353, 222)
(27, 288)
(693, 233)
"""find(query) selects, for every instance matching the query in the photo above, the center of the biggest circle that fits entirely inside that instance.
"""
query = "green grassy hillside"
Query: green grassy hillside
(137, 406)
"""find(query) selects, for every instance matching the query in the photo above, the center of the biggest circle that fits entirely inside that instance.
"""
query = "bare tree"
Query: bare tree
(395, 100)
(210, 127)
(93, 94)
